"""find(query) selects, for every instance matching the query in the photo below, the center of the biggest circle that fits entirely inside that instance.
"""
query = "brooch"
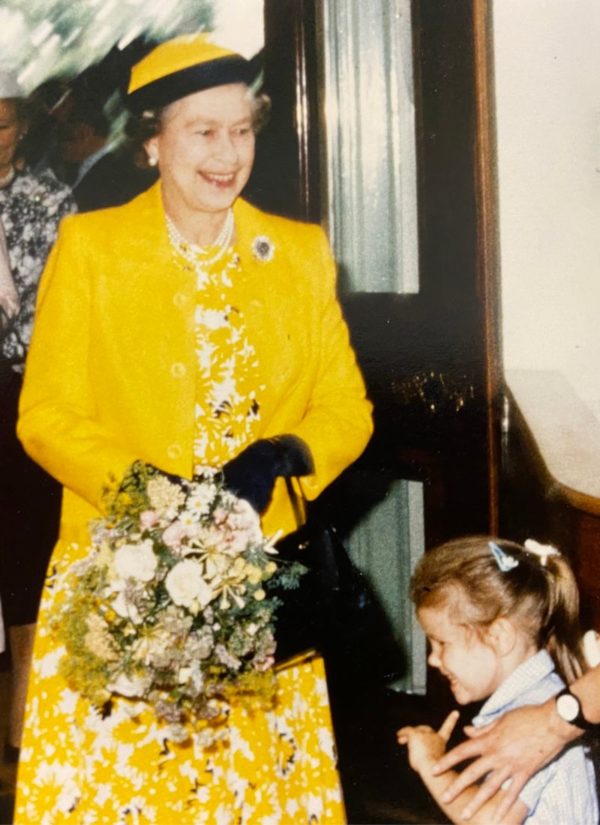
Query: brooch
(263, 249)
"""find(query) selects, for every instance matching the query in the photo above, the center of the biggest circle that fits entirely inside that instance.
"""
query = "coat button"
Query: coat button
(178, 370)
(174, 451)
(180, 299)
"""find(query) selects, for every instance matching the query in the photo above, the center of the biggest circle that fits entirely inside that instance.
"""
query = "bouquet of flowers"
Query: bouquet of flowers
(174, 605)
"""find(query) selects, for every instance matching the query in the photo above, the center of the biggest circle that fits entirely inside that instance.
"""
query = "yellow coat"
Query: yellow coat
(110, 376)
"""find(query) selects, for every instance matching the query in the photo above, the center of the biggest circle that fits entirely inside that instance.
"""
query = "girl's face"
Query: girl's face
(205, 149)
(464, 657)
(11, 130)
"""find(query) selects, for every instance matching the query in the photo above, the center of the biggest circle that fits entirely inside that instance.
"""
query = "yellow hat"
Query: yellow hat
(182, 66)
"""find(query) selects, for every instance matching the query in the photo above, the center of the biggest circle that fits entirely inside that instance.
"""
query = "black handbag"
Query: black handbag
(334, 609)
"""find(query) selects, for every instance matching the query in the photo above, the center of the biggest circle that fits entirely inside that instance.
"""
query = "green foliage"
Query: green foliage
(288, 575)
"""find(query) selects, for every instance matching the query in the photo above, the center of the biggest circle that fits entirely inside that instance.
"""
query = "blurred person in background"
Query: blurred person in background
(104, 173)
(31, 207)
(49, 105)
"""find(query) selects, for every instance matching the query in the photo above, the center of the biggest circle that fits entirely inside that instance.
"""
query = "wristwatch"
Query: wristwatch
(569, 709)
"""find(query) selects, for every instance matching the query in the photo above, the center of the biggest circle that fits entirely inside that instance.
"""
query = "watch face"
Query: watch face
(567, 707)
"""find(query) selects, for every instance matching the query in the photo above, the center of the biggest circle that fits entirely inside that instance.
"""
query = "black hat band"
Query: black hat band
(172, 87)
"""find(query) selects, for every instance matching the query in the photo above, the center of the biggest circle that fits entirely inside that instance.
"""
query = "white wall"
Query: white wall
(547, 67)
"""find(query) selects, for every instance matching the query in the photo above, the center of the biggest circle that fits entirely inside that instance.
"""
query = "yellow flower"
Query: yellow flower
(259, 594)
(253, 574)
(110, 615)
(98, 639)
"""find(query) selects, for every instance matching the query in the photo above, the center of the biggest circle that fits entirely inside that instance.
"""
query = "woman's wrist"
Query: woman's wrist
(563, 731)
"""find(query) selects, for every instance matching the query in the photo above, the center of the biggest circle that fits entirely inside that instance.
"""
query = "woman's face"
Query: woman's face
(205, 149)
(11, 129)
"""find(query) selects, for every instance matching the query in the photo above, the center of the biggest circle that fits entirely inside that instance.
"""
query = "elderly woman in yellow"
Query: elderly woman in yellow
(184, 329)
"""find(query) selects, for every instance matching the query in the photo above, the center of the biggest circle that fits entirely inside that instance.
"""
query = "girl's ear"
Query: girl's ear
(501, 635)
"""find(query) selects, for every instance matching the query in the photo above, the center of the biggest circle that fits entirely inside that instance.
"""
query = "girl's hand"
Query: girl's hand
(425, 745)
(513, 747)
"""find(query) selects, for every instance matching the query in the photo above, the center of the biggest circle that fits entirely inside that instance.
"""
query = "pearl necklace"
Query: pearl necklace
(196, 255)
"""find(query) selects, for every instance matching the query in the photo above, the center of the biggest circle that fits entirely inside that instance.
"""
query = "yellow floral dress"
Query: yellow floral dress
(84, 765)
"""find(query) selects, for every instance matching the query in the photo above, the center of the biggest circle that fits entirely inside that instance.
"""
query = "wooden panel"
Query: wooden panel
(586, 532)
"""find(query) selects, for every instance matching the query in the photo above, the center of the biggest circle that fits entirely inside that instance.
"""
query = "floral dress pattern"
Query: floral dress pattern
(277, 767)
(31, 208)
(227, 397)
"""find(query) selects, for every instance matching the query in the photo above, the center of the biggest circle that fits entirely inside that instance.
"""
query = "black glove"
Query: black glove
(251, 474)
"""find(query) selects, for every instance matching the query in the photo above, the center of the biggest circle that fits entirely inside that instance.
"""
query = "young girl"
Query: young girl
(502, 622)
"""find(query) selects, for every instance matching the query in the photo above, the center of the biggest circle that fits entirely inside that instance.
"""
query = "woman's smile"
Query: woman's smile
(221, 181)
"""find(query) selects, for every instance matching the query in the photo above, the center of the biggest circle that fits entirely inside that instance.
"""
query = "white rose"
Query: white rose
(136, 561)
(186, 586)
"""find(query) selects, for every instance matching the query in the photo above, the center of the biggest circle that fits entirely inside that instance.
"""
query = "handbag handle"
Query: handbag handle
(326, 546)
(297, 501)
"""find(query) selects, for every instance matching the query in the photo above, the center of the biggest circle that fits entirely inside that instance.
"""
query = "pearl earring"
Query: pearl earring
(152, 161)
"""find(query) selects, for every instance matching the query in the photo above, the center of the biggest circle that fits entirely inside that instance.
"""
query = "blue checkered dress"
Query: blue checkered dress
(563, 792)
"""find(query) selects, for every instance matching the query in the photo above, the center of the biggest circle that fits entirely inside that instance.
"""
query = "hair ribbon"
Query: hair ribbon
(503, 560)
(542, 551)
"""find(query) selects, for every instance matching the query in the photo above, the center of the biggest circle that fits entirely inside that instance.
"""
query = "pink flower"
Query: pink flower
(174, 534)
(148, 519)
(220, 515)
(244, 519)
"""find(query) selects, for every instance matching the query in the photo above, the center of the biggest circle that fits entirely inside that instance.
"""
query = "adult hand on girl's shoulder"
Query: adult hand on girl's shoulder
(513, 748)
(426, 745)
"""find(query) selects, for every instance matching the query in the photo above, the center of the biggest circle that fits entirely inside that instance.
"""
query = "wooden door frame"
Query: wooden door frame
(453, 61)
(488, 251)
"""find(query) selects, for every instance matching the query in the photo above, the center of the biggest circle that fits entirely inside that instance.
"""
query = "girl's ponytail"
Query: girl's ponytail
(560, 631)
